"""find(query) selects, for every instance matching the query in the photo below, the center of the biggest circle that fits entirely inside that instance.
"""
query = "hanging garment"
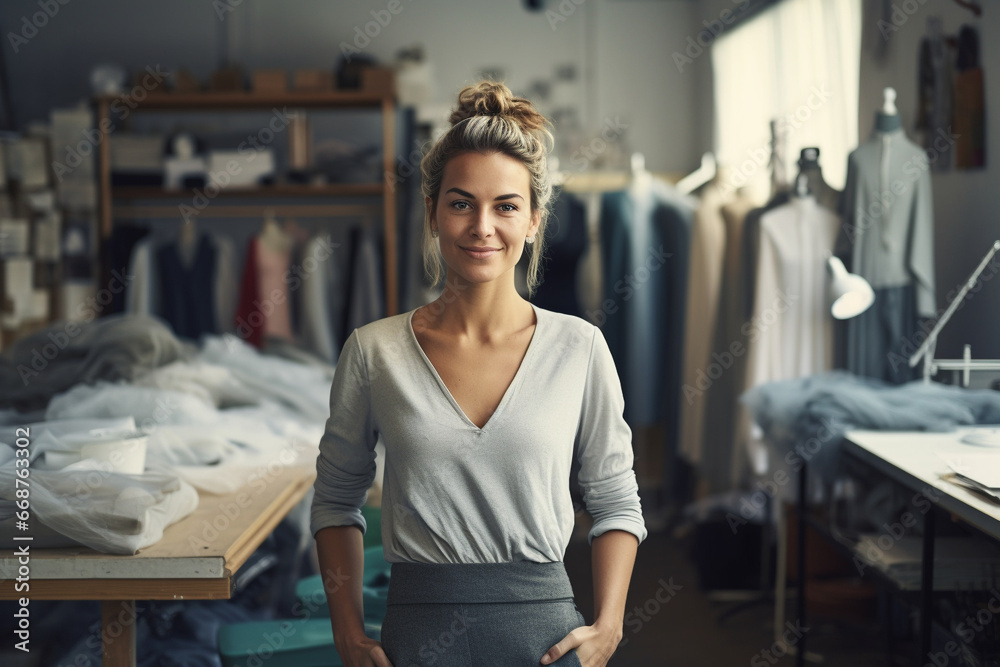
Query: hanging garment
(790, 334)
(970, 111)
(729, 351)
(319, 299)
(565, 243)
(263, 309)
(143, 291)
(934, 109)
(365, 302)
(708, 248)
(645, 236)
(791, 330)
(889, 218)
(120, 246)
(184, 302)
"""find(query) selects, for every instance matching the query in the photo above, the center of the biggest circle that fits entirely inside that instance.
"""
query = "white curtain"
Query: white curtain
(798, 62)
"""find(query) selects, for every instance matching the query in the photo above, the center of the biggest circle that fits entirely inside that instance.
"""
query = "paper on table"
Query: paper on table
(977, 472)
(981, 467)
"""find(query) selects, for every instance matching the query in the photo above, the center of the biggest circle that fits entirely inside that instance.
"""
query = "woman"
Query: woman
(495, 415)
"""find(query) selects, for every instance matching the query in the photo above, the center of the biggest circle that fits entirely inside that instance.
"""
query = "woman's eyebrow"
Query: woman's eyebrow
(472, 196)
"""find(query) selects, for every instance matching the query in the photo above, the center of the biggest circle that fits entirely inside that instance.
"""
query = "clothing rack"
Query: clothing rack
(256, 212)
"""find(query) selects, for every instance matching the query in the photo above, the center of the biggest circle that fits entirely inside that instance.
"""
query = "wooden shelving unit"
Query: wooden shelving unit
(250, 101)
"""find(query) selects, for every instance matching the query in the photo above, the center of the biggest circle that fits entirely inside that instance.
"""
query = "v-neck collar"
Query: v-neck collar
(510, 388)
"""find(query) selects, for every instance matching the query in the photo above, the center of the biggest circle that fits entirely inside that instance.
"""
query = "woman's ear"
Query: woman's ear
(536, 222)
(429, 204)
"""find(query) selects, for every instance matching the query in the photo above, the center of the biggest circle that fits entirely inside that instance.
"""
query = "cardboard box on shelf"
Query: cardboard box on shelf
(270, 81)
(379, 80)
(313, 80)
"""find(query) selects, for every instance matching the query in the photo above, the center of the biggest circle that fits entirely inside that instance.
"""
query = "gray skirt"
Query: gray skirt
(504, 614)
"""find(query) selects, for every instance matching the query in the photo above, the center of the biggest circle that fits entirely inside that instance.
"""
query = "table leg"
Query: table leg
(118, 633)
(800, 650)
(927, 585)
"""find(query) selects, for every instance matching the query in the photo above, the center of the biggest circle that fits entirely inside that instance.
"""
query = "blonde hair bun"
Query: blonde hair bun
(491, 98)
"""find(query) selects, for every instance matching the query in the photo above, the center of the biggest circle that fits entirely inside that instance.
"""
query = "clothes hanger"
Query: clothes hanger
(641, 179)
(699, 177)
(272, 235)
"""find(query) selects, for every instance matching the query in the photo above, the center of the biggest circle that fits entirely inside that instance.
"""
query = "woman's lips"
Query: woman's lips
(481, 253)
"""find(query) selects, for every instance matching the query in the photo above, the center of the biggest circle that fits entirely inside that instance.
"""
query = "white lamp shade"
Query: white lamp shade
(852, 295)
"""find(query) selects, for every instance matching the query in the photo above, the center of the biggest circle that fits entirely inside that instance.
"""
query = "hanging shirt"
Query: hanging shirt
(565, 243)
(184, 302)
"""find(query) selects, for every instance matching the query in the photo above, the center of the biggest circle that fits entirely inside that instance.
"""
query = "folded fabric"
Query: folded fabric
(117, 347)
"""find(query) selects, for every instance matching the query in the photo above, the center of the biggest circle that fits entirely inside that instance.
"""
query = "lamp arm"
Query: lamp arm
(929, 343)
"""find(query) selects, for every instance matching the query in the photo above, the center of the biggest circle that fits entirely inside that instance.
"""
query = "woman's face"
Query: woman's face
(483, 215)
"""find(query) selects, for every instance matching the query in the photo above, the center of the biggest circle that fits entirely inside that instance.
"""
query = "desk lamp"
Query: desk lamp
(966, 365)
(852, 295)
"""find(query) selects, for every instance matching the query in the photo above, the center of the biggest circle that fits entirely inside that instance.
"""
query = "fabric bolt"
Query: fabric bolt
(184, 302)
(821, 408)
(457, 493)
(501, 614)
(566, 243)
(708, 248)
(889, 218)
(645, 239)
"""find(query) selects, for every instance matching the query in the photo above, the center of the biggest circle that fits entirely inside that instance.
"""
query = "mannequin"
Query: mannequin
(826, 196)
(887, 118)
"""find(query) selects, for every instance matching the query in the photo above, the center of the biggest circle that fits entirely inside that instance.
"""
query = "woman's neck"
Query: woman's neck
(484, 311)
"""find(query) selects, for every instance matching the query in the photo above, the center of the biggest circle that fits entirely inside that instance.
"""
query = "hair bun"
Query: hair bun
(491, 98)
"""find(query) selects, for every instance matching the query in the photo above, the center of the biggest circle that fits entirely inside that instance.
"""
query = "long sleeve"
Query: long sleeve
(345, 467)
(603, 449)
(921, 244)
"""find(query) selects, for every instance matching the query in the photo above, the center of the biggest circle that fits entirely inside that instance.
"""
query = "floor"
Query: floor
(690, 630)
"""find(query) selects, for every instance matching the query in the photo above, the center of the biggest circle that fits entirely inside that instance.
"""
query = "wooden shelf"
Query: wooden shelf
(249, 100)
(284, 190)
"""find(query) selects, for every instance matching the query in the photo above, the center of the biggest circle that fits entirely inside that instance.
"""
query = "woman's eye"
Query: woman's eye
(455, 204)
(509, 210)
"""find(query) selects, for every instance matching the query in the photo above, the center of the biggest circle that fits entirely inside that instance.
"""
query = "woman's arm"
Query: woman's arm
(613, 558)
(342, 563)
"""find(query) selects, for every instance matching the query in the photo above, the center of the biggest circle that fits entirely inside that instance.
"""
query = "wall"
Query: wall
(620, 47)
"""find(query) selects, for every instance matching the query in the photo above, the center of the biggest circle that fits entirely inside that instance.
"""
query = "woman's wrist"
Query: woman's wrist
(610, 624)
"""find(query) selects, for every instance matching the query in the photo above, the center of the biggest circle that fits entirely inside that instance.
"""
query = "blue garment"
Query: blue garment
(565, 243)
(645, 244)
(187, 300)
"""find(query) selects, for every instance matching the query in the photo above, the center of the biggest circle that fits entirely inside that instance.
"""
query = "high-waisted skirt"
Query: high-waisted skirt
(503, 614)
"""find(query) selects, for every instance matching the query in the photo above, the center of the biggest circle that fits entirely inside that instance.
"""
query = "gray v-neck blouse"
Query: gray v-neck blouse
(456, 493)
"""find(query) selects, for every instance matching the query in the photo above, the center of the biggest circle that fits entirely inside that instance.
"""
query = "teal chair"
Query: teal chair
(286, 643)
(308, 641)
(374, 589)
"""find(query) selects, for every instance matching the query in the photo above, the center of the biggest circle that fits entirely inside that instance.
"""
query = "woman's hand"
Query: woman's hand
(362, 652)
(594, 644)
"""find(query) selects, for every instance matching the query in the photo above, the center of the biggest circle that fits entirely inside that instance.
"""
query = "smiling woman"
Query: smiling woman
(498, 419)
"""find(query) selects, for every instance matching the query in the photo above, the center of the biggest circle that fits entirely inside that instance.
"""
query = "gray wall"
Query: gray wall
(621, 49)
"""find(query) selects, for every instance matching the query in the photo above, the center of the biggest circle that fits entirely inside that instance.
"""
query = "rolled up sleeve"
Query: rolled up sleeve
(603, 450)
(345, 467)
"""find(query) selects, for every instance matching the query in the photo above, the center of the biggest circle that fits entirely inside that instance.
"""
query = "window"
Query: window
(798, 63)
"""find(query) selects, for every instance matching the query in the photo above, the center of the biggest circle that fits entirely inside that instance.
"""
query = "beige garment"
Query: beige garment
(720, 461)
(708, 246)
